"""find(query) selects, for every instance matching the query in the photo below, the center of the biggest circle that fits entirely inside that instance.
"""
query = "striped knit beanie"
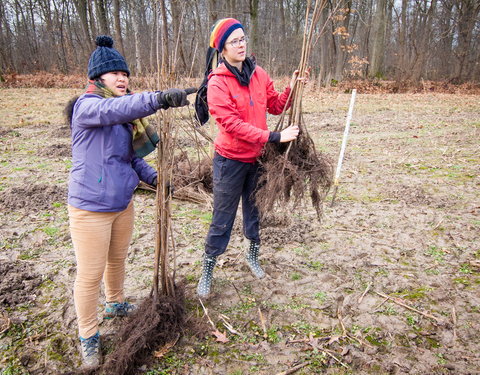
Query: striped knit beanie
(221, 30)
(105, 59)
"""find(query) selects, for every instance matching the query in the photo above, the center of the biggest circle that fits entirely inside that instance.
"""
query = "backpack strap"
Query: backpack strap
(201, 105)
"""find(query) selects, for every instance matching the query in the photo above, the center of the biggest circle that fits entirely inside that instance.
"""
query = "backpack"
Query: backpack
(201, 105)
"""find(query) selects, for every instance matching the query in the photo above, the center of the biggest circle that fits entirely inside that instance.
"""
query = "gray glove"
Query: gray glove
(174, 97)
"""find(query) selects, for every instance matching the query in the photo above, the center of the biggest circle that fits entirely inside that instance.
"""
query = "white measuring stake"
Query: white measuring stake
(345, 136)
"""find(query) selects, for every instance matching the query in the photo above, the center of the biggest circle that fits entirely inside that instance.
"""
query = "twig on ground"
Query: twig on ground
(262, 321)
(364, 293)
(294, 369)
(6, 325)
(165, 348)
(340, 318)
(400, 303)
(234, 287)
(335, 358)
(205, 310)
(228, 326)
(454, 321)
(380, 305)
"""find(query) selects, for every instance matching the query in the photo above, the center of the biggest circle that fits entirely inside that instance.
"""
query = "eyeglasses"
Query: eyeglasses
(235, 43)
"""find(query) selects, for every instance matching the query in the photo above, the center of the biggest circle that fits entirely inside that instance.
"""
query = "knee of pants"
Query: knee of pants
(86, 278)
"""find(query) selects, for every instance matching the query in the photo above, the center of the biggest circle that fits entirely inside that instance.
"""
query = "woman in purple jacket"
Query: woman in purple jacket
(110, 137)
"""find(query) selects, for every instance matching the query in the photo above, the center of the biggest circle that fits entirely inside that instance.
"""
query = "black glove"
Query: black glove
(174, 97)
(170, 187)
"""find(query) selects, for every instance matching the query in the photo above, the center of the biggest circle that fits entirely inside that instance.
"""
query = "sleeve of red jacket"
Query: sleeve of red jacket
(276, 101)
(225, 112)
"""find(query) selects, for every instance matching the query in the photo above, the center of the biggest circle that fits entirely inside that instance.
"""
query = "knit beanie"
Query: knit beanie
(221, 30)
(105, 58)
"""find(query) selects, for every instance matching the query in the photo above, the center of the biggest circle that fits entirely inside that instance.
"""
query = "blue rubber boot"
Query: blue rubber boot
(205, 282)
(252, 260)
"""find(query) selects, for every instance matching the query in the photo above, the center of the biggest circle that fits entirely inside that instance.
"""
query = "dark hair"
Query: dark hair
(68, 110)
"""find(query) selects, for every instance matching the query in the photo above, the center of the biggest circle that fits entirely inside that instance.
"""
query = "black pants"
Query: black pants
(231, 180)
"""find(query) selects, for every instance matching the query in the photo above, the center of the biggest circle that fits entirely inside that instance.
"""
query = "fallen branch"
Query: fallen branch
(400, 303)
(294, 369)
(364, 293)
(332, 356)
(454, 321)
(205, 310)
(262, 321)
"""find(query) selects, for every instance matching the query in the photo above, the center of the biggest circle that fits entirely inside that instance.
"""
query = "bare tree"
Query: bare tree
(118, 26)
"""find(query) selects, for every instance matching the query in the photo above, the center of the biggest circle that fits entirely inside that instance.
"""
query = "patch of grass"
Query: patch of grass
(303, 327)
(51, 231)
(318, 361)
(320, 297)
(295, 276)
(272, 335)
(437, 254)
(381, 272)
(29, 254)
(252, 357)
(301, 251)
(414, 294)
(412, 320)
(461, 280)
(440, 359)
(14, 367)
(315, 265)
(466, 269)
(389, 310)
(296, 304)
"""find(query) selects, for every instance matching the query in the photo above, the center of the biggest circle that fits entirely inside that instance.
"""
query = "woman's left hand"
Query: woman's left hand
(296, 78)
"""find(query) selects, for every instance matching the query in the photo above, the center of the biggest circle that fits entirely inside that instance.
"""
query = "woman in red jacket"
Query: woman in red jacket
(239, 96)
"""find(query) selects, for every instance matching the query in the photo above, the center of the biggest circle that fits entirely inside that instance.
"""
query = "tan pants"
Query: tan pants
(101, 241)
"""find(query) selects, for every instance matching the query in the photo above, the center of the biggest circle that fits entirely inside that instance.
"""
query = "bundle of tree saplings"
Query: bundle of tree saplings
(290, 170)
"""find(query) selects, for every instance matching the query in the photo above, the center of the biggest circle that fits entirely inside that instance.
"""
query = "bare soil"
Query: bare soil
(387, 283)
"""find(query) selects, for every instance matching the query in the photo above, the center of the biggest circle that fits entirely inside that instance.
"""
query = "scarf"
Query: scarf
(248, 67)
(145, 138)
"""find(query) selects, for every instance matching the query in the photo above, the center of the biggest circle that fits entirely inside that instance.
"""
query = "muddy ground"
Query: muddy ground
(387, 283)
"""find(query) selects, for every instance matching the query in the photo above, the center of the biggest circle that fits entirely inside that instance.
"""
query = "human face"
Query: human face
(235, 55)
(117, 82)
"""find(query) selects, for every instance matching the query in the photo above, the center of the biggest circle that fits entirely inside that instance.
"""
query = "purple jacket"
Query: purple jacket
(105, 170)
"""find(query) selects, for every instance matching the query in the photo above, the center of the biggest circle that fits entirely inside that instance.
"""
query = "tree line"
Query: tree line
(394, 39)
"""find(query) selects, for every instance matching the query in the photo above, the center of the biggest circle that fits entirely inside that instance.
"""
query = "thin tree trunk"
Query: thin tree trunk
(378, 39)
(118, 26)
(165, 49)
(91, 19)
(101, 11)
(254, 22)
(422, 47)
(177, 17)
(468, 11)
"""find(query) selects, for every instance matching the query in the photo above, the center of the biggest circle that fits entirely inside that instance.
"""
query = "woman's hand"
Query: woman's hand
(296, 78)
(289, 134)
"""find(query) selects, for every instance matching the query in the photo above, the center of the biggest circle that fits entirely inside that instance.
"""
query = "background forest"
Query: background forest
(395, 39)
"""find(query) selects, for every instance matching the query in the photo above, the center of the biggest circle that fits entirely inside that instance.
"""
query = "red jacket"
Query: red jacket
(241, 112)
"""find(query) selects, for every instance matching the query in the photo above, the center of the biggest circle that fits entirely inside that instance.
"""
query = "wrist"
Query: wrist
(274, 137)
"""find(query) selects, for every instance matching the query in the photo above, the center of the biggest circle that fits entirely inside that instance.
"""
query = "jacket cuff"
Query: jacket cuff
(274, 137)
(153, 180)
